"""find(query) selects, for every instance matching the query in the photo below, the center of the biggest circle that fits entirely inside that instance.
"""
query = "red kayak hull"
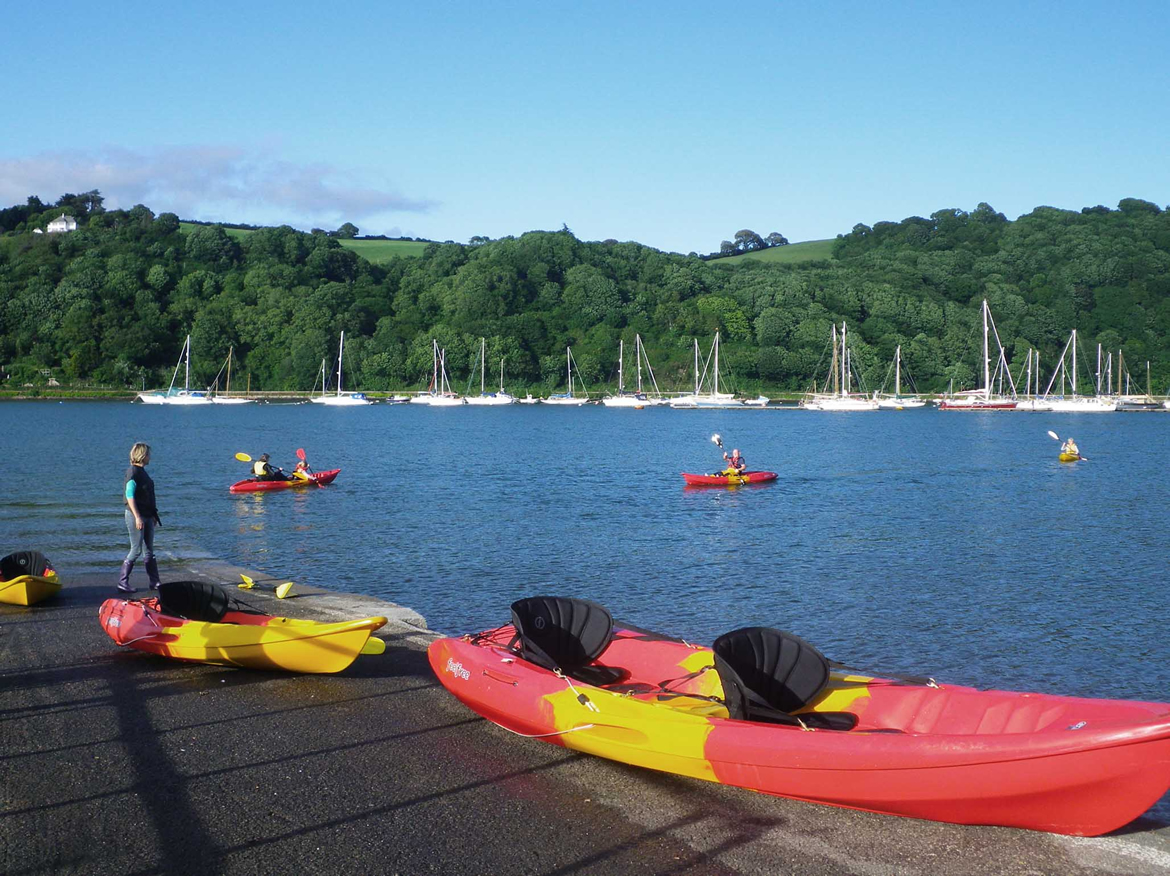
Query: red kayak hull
(720, 480)
(1061, 764)
(317, 478)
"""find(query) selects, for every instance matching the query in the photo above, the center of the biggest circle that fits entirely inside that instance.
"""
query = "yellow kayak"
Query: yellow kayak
(26, 578)
(249, 639)
(1070, 457)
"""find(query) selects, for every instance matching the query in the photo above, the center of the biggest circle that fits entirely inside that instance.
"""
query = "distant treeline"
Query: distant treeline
(112, 301)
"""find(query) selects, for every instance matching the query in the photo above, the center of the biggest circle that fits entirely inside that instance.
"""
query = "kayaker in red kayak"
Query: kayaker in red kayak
(736, 464)
(265, 472)
(302, 471)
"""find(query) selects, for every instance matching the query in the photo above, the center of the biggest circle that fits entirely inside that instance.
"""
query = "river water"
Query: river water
(921, 541)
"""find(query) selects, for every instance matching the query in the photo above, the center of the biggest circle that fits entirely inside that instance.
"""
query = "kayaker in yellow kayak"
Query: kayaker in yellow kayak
(1070, 447)
(735, 463)
(301, 472)
(265, 472)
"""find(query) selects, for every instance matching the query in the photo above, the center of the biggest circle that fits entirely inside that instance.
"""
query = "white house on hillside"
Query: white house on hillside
(62, 223)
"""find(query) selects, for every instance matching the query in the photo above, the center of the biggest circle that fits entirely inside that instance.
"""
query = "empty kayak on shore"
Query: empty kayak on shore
(196, 621)
(766, 711)
(316, 478)
(27, 577)
(722, 480)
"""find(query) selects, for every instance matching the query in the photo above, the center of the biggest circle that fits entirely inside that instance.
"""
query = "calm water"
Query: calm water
(910, 541)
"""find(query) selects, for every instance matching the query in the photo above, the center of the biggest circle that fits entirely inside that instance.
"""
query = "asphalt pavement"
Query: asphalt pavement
(117, 762)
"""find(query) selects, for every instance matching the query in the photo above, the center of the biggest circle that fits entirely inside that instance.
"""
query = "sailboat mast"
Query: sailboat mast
(569, 367)
(897, 372)
(986, 355)
(1074, 374)
(696, 366)
(340, 351)
(835, 366)
(844, 362)
(187, 358)
(228, 391)
(638, 356)
(621, 355)
(482, 349)
(715, 380)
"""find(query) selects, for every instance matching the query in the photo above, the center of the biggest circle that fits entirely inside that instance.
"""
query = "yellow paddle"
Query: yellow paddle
(281, 591)
(243, 457)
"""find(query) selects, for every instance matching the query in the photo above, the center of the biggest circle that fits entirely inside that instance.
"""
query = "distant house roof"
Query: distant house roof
(62, 223)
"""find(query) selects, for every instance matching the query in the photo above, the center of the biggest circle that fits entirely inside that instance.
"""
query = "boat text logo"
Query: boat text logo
(457, 669)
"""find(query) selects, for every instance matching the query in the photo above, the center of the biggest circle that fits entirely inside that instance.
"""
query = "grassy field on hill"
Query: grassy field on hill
(807, 251)
(376, 251)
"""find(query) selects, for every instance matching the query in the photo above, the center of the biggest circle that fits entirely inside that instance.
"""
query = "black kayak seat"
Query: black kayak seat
(768, 674)
(560, 632)
(193, 600)
(23, 563)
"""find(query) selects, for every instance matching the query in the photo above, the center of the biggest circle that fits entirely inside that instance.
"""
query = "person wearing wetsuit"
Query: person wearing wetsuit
(141, 518)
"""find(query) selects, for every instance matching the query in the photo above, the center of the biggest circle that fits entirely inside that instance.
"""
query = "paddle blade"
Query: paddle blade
(374, 645)
(247, 583)
(243, 457)
(301, 454)
(284, 590)
(717, 439)
(1053, 435)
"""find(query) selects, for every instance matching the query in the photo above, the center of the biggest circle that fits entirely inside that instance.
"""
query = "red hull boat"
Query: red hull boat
(722, 480)
(317, 478)
(943, 752)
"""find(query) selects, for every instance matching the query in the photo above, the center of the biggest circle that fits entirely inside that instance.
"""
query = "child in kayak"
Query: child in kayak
(735, 463)
(301, 472)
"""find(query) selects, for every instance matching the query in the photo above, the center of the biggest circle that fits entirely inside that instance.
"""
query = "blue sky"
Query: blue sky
(674, 125)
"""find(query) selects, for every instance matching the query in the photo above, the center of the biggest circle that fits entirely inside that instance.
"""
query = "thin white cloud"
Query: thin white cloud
(225, 183)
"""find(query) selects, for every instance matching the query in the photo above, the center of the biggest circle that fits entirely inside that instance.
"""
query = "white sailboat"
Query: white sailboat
(567, 398)
(841, 398)
(1074, 403)
(897, 401)
(1031, 400)
(484, 397)
(712, 398)
(340, 399)
(438, 394)
(227, 398)
(986, 398)
(638, 398)
(174, 396)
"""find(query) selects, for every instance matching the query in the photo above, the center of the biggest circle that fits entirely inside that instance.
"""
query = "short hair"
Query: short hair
(139, 453)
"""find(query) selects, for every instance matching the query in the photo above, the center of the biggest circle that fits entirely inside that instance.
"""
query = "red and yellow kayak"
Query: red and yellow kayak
(948, 753)
(26, 577)
(247, 639)
(722, 480)
(316, 478)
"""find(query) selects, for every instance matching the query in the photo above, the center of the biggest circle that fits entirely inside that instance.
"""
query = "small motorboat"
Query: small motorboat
(764, 710)
(26, 578)
(197, 621)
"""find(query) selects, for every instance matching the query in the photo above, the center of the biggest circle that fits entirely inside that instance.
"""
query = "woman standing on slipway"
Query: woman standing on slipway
(141, 518)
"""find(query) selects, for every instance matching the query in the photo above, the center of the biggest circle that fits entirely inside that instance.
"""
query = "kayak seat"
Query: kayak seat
(768, 674)
(558, 632)
(193, 600)
(23, 563)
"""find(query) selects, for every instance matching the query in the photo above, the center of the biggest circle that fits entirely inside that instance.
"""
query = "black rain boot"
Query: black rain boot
(124, 585)
(152, 573)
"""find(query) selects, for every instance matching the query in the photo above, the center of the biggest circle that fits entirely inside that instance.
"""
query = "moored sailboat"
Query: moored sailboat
(227, 398)
(484, 397)
(841, 398)
(897, 401)
(712, 398)
(986, 398)
(568, 397)
(340, 399)
(173, 396)
(1075, 403)
(438, 394)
